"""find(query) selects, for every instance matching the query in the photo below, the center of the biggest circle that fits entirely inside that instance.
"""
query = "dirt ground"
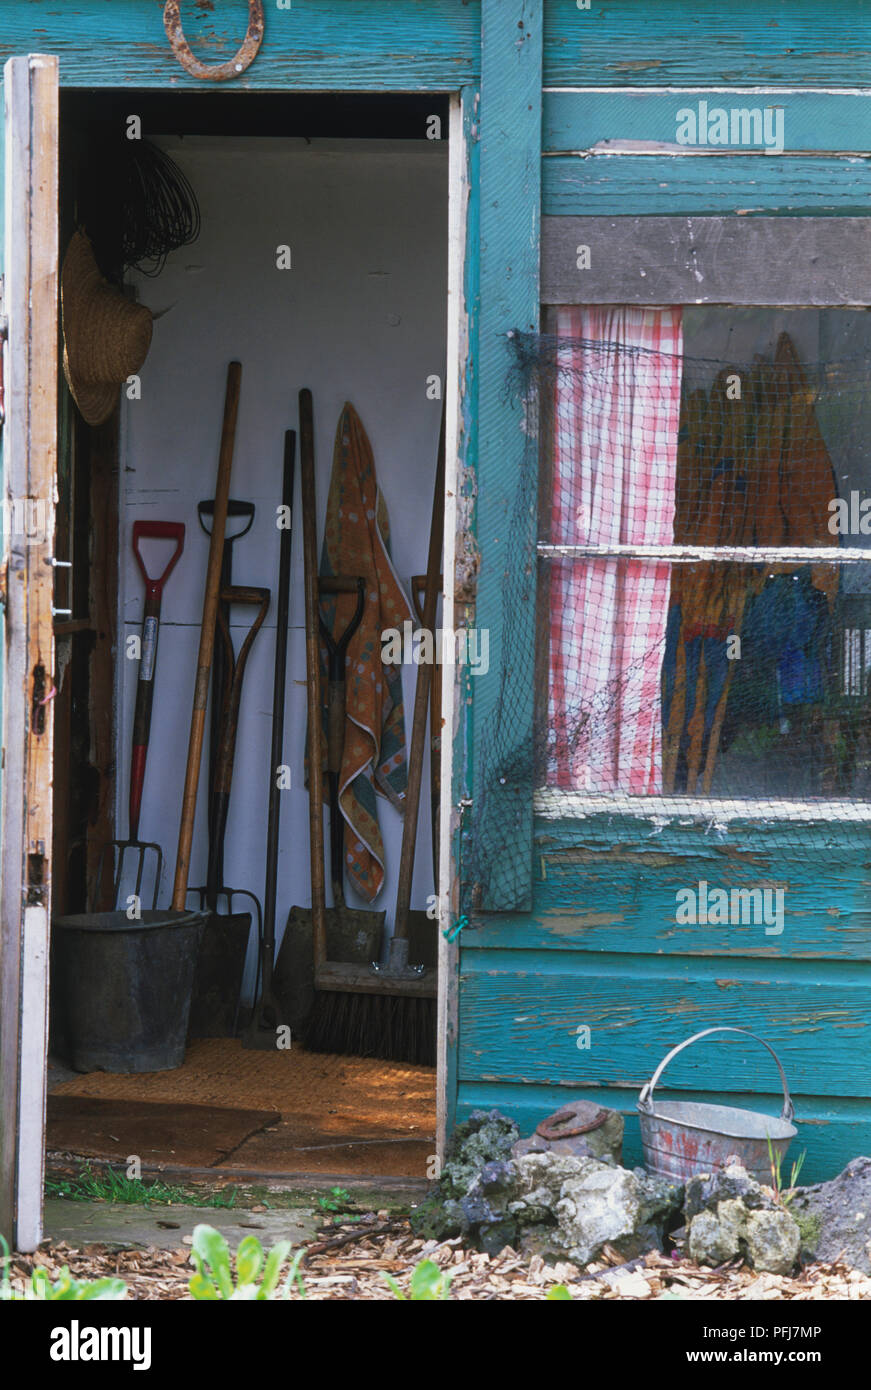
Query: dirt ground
(348, 1262)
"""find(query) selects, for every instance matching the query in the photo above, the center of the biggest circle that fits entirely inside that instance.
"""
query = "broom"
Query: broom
(381, 1011)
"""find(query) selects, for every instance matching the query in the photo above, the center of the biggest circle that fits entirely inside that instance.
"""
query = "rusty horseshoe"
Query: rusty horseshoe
(567, 1122)
(214, 72)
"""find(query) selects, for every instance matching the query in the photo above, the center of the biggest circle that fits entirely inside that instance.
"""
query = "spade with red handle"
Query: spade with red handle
(154, 586)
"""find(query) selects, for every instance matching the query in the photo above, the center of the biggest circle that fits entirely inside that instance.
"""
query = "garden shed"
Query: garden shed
(626, 250)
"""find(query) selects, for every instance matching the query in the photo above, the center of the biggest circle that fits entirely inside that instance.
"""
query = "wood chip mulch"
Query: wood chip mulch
(348, 1263)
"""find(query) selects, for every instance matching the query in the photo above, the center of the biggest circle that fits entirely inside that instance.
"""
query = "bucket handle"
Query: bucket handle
(645, 1099)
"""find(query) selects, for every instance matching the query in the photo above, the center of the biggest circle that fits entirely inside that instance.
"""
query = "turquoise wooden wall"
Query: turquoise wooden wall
(329, 45)
(590, 939)
(601, 949)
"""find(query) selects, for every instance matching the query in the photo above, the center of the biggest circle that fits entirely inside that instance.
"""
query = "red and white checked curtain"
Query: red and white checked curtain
(615, 455)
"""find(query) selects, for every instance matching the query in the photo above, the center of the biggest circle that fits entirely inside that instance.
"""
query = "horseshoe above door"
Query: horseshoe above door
(214, 72)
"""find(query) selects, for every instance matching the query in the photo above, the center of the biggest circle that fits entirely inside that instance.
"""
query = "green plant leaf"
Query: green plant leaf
(558, 1293)
(202, 1288)
(428, 1283)
(396, 1290)
(213, 1250)
(60, 1291)
(249, 1260)
(272, 1269)
(294, 1276)
(108, 1288)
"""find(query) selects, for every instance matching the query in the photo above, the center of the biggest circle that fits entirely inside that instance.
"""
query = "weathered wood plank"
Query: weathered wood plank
(831, 1131)
(30, 468)
(372, 45)
(460, 418)
(520, 1012)
(625, 901)
(832, 841)
(707, 260)
(606, 185)
(829, 121)
(705, 42)
(608, 883)
(510, 155)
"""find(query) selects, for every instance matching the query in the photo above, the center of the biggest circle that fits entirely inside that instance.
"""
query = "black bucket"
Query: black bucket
(121, 989)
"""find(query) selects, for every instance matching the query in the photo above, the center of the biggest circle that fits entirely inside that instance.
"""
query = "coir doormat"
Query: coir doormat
(197, 1136)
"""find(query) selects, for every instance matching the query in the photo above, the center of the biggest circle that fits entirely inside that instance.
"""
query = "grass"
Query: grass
(98, 1182)
(784, 1191)
(340, 1201)
(107, 1185)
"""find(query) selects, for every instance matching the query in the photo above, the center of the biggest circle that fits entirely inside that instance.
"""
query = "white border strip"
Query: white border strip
(555, 803)
(758, 91)
(656, 148)
(693, 554)
(457, 350)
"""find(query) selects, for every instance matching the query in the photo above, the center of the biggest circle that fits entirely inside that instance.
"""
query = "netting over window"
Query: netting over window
(703, 614)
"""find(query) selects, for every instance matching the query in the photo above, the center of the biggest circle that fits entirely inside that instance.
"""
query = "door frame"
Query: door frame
(32, 259)
(30, 86)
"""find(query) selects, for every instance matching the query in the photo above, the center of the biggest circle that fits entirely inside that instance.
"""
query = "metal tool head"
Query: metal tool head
(111, 864)
(229, 895)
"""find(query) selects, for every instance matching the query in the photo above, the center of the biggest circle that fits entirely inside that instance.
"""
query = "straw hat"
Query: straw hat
(106, 335)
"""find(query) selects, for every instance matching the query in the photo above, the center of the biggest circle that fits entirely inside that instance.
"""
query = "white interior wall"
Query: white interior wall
(360, 316)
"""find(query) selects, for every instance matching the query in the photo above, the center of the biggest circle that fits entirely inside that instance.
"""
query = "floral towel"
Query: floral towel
(357, 543)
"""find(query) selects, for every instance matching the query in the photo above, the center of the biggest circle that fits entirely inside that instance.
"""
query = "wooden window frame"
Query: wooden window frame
(728, 262)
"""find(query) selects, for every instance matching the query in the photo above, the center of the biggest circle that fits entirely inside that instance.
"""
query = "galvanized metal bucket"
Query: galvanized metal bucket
(681, 1137)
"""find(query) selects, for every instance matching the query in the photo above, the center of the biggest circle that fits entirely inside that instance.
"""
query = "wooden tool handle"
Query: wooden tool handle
(421, 700)
(313, 678)
(207, 638)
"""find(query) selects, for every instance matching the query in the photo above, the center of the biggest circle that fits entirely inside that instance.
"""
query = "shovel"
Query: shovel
(224, 943)
(267, 1017)
(353, 935)
(115, 852)
(244, 513)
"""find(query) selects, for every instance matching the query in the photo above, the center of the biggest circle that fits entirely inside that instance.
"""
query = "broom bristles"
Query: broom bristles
(392, 1027)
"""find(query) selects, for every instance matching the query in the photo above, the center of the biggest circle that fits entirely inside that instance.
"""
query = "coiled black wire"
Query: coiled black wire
(135, 204)
(159, 209)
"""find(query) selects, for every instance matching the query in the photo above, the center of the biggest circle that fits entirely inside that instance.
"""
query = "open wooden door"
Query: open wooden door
(29, 267)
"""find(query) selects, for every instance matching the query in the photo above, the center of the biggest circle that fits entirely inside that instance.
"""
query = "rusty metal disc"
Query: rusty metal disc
(578, 1117)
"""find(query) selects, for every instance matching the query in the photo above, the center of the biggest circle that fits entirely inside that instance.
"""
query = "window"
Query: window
(705, 527)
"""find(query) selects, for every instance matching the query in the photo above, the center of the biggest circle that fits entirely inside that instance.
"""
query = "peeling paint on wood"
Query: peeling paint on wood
(372, 45)
(708, 43)
(832, 1130)
(606, 185)
(637, 1015)
(510, 172)
(812, 121)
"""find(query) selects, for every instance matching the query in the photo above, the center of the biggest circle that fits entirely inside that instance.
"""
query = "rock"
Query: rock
(729, 1213)
(568, 1207)
(773, 1240)
(732, 1183)
(485, 1138)
(835, 1217)
(715, 1236)
(605, 1141)
(562, 1206)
